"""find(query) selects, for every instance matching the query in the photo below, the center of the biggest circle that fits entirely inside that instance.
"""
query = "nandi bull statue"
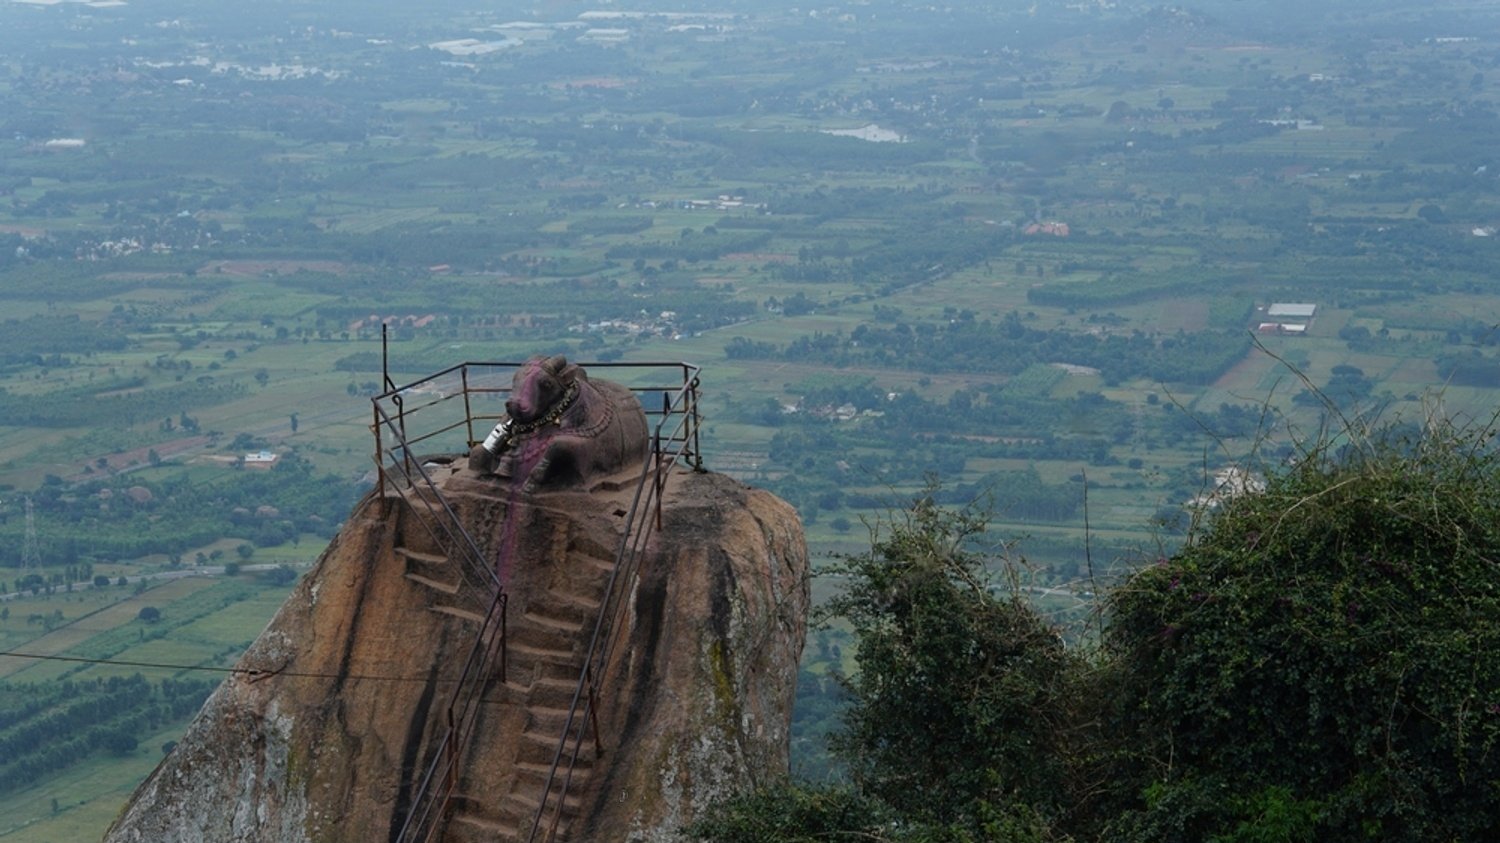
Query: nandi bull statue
(561, 429)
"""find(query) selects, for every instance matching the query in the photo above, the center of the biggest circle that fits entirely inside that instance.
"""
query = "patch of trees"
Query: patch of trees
(1018, 496)
(833, 203)
(1347, 386)
(574, 137)
(1469, 368)
(692, 246)
(1129, 287)
(181, 513)
(829, 467)
(922, 250)
(127, 402)
(50, 727)
(1011, 346)
(45, 280)
(817, 710)
(27, 340)
(609, 225)
(392, 173)
(1228, 421)
(470, 245)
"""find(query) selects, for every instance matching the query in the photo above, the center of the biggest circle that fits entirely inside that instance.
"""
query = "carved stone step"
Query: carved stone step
(539, 748)
(527, 669)
(524, 803)
(587, 547)
(422, 557)
(600, 565)
(535, 775)
(550, 721)
(455, 611)
(538, 637)
(423, 563)
(565, 604)
(547, 621)
(551, 692)
(449, 588)
(521, 825)
(469, 827)
(525, 652)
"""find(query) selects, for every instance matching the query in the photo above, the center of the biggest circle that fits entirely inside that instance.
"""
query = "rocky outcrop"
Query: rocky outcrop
(327, 739)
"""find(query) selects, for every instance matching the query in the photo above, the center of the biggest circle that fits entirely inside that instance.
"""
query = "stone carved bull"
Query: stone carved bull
(562, 430)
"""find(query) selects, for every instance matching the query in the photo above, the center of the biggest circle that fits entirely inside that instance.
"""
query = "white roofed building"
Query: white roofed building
(1291, 310)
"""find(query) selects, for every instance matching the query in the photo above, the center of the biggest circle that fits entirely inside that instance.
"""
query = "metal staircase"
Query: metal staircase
(536, 661)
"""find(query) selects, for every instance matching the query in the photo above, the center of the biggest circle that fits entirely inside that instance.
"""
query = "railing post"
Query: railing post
(656, 480)
(379, 461)
(468, 410)
(666, 409)
(696, 421)
(450, 749)
(594, 713)
(401, 431)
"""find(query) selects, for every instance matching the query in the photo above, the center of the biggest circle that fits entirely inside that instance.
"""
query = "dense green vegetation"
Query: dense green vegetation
(1010, 347)
(1314, 664)
(112, 520)
(49, 727)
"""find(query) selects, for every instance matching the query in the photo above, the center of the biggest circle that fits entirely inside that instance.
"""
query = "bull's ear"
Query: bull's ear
(565, 372)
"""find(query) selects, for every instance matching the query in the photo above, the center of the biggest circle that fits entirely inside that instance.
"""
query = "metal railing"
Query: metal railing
(395, 460)
(671, 444)
(403, 473)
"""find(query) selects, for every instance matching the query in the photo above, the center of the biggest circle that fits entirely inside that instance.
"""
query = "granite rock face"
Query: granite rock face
(328, 740)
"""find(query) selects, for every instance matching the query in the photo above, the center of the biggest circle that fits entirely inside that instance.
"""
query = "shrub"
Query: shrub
(1323, 654)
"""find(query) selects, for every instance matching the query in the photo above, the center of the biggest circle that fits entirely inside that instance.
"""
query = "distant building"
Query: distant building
(261, 459)
(1291, 310)
(1285, 328)
(1229, 483)
(1056, 229)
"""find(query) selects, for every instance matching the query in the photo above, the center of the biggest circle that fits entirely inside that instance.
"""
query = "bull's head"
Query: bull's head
(537, 387)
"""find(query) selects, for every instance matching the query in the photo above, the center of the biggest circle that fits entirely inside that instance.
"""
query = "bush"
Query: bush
(784, 813)
(1324, 653)
(960, 698)
(954, 726)
(1316, 664)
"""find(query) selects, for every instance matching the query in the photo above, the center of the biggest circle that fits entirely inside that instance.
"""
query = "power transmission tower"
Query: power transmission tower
(31, 556)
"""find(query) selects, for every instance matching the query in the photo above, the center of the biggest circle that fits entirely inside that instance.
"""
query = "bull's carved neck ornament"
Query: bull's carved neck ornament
(508, 430)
